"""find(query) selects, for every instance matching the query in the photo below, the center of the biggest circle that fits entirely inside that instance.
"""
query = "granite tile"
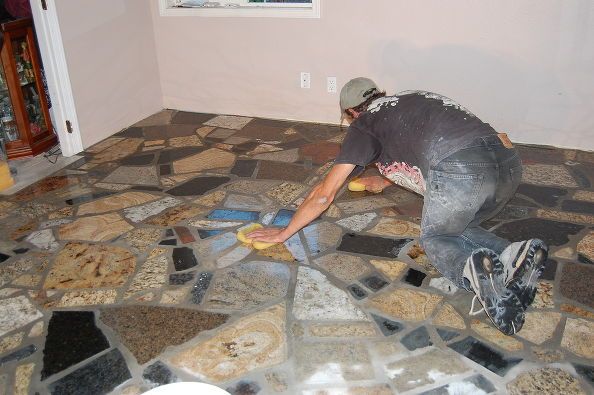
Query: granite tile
(283, 217)
(406, 304)
(374, 282)
(9, 343)
(192, 118)
(544, 296)
(270, 170)
(53, 223)
(72, 337)
(101, 375)
(140, 213)
(228, 122)
(87, 298)
(170, 242)
(393, 227)
(181, 278)
(448, 316)
(198, 186)
(584, 196)
(418, 338)
(257, 148)
(18, 355)
(320, 152)
(248, 285)
(444, 285)
(587, 372)
(103, 227)
(493, 336)
(22, 378)
(82, 265)
(427, 368)
(357, 292)
(236, 140)
(317, 299)
(146, 331)
(253, 342)
(553, 233)
(357, 223)
(14, 269)
(577, 311)
(387, 327)
(151, 275)
(120, 150)
(285, 156)
(244, 168)
(379, 389)
(115, 202)
(185, 141)
(245, 388)
(578, 337)
(46, 185)
(138, 160)
(485, 356)
(87, 197)
(175, 154)
(316, 131)
(277, 380)
(576, 283)
(254, 187)
(321, 236)
(35, 210)
(168, 131)
(365, 204)
(352, 330)
(264, 131)
(205, 234)
(141, 239)
(546, 380)
(446, 335)
(175, 215)
(6, 208)
(545, 174)
(350, 362)
(158, 374)
(15, 313)
(237, 215)
(286, 192)
(477, 384)
(295, 247)
(372, 245)
(539, 327)
(347, 268)
(243, 202)
(144, 175)
(184, 258)
(200, 287)
(215, 245)
(565, 216)
(390, 268)
(184, 235)
(44, 240)
(278, 252)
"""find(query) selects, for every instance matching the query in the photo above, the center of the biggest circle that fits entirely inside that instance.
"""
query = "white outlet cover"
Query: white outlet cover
(305, 80)
(331, 84)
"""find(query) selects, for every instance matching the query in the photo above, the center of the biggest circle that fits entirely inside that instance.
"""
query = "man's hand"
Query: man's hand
(268, 235)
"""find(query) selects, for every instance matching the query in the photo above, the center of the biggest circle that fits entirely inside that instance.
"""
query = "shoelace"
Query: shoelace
(473, 313)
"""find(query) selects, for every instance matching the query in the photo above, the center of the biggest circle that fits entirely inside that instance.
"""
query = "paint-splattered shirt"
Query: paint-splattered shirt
(405, 134)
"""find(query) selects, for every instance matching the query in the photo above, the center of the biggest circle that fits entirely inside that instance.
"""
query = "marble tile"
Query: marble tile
(387, 327)
(248, 285)
(118, 151)
(320, 152)
(210, 159)
(325, 362)
(175, 215)
(414, 277)
(254, 187)
(544, 174)
(393, 227)
(228, 122)
(244, 168)
(140, 213)
(151, 275)
(427, 368)
(485, 356)
(492, 335)
(321, 236)
(317, 299)
(406, 304)
(200, 287)
(242, 202)
(253, 342)
(444, 285)
(372, 245)
(539, 327)
(144, 175)
(158, 374)
(286, 156)
(103, 227)
(357, 223)
(365, 204)
(547, 380)
(9, 343)
(270, 170)
(15, 313)
(578, 337)
(347, 268)
(553, 233)
(116, 202)
(184, 258)
(576, 283)
(233, 215)
(45, 186)
(418, 338)
(108, 142)
(22, 379)
(448, 316)
(390, 268)
(477, 384)
(79, 331)
(44, 240)
(101, 375)
(216, 245)
(141, 239)
(82, 265)
(286, 192)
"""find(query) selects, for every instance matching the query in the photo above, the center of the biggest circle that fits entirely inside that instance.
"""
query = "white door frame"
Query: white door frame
(49, 36)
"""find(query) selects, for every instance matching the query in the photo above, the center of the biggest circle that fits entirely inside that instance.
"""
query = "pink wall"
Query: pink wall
(110, 51)
(524, 66)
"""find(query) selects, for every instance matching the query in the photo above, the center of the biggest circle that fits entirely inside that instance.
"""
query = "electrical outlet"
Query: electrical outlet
(305, 80)
(331, 84)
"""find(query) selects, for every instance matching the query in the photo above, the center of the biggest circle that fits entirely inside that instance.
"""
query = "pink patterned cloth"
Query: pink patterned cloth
(18, 8)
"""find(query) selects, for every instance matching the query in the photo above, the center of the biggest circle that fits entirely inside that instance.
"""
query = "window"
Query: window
(244, 8)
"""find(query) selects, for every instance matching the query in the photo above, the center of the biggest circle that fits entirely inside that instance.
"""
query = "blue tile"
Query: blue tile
(205, 234)
(18, 354)
(237, 215)
(283, 217)
(484, 355)
(446, 335)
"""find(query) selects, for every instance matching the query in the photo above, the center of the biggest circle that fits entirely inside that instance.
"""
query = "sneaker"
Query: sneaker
(524, 263)
(486, 276)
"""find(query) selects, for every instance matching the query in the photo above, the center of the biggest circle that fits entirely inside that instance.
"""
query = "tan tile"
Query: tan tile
(405, 304)
(212, 199)
(539, 326)
(88, 298)
(586, 246)
(185, 141)
(152, 274)
(347, 268)
(108, 142)
(566, 308)
(579, 337)
(544, 296)
(358, 329)
(142, 238)
(120, 150)
(96, 228)
(545, 381)
(586, 196)
(393, 227)
(175, 215)
(209, 159)
(565, 216)
(448, 316)
(11, 342)
(391, 269)
(150, 143)
(492, 335)
(204, 131)
(116, 202)
(22, 379)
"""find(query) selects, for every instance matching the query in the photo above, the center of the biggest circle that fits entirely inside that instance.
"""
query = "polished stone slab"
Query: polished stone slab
(158, 374)
(17, 312)
(193, 118)
(270, 170)
(576, 283)
(184, 258)
(172, 155)
(200, 287)
(545, 195)
(237, 215)
(198, 186)
(484, 355)
(371, 245)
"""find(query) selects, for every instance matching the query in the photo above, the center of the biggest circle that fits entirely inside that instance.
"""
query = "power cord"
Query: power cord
(53, 154)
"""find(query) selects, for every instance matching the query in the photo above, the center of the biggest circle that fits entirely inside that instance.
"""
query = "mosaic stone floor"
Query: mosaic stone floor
(122, 272)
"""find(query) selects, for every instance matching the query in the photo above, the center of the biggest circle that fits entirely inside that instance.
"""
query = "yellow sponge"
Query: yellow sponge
(355, 186)
(241, 233)
(260, 245)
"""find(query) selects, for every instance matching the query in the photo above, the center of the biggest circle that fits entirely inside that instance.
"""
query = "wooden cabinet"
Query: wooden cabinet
(25, 123)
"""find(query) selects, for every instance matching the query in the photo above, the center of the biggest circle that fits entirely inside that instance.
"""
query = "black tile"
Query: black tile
(513, 212)
(550, 270)
(181, 278)
(72, 336)
(146, 188)
(374, 282)
(198, 186)
(587, 372)
(357, 292)
(168, 242)
(472, 385)
(270, 170)
(547, 196)
(199, 289)
(192, 118)
(446, 335)
(553, 233)
(20, 250)
(246, 147)
(87, 198)
(184, 258)
(3, 257)
(372, 245)
(138, 160)
(584, 259)
(577, 206)
(244, 388)
(414, 277)
(169, 233)
(205, 234)
(485, 356)
(168, 131)
(164, 170)
(283, 217)
(172, 155)
(519, 201)
(244, 168)
(18, 355)
(419, 338)
(158, 374)
(580, 174)
(99, 376)
(388, 327)
(131, 132)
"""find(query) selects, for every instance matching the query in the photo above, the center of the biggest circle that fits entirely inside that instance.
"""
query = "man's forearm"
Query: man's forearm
(314, 205)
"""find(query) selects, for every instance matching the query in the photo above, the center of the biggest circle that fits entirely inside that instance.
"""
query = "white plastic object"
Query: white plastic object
(187, 389)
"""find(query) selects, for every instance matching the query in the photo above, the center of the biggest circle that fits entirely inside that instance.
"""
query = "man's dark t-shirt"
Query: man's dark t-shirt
(406, 134)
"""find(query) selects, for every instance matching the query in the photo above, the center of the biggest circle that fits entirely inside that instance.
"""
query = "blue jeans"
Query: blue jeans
(464, 190)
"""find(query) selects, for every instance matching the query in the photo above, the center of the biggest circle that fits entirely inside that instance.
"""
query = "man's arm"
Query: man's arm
(318, 201)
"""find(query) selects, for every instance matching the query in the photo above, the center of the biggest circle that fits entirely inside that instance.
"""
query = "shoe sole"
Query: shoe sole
(524, 281)
(502, 306)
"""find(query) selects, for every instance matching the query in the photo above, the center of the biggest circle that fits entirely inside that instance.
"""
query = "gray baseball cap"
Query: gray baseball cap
(356, 91)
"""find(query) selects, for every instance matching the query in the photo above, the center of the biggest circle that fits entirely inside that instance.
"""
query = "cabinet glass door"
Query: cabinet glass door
(8, 127)
(26, 76)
